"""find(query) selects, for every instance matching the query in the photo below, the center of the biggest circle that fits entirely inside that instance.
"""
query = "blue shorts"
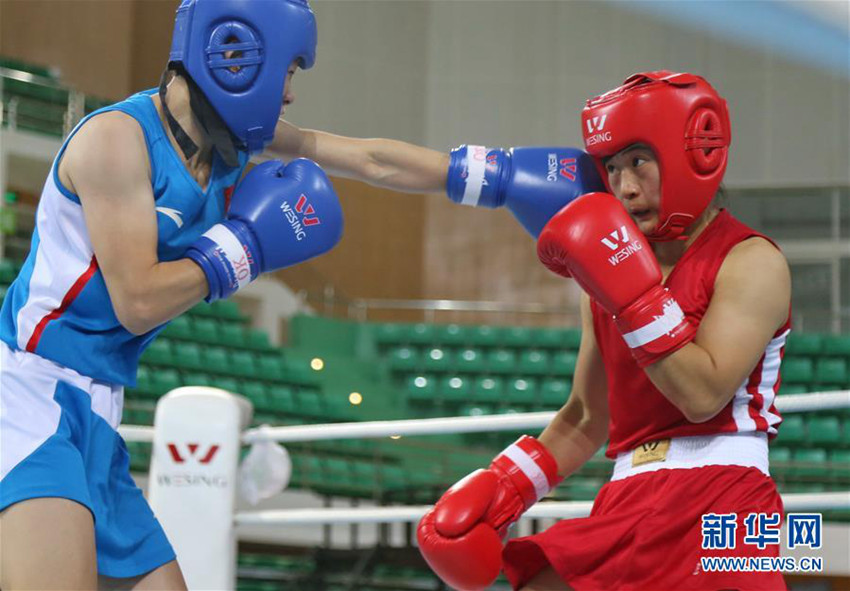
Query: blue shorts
(58, 438)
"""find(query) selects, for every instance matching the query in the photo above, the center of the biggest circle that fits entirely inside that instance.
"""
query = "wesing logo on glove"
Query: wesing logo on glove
(619, 239)
(566, 167)
(308, 216)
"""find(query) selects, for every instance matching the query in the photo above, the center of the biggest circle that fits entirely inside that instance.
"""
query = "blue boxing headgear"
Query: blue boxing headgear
(245, 90)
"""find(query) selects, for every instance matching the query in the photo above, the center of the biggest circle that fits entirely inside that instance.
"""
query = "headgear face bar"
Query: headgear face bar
(685, 122)
(244, 90)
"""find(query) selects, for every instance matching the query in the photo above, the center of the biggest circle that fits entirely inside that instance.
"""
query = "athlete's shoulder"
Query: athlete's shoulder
(112, 141)
(756, 252)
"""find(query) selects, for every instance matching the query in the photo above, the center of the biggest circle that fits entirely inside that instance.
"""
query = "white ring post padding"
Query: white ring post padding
(192, 485)
(544, 510)
(791, 403)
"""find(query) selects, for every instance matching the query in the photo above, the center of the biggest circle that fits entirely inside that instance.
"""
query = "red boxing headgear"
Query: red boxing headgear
(685, 122)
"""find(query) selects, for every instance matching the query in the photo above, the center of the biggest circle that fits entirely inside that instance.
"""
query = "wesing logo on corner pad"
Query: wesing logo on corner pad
(596, 130)
(193, 451)
(188, 457)
(300, 217)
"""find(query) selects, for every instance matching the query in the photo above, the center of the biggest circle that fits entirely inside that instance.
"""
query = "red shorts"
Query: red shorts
(644, 534)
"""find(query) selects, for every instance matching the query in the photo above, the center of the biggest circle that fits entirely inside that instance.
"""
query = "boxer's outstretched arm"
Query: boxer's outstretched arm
(106, 165)
(580, 428)
(390, 164)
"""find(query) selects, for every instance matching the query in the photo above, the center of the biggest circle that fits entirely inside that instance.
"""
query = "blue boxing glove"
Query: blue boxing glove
(279, 216)
(533, 183)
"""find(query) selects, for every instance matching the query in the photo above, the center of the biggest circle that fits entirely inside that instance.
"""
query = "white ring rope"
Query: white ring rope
(791, 403)
(553, 510)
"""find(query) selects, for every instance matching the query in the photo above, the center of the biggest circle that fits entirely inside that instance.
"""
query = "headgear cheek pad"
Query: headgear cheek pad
(246, 89)
(685, 122)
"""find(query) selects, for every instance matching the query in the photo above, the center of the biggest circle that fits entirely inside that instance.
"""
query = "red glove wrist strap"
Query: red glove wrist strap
(654, 326)
(530, 466)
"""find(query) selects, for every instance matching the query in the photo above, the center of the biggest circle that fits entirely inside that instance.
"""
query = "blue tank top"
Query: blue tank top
(58, 306)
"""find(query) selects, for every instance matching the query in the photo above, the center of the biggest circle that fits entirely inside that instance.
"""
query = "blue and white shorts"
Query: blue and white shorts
(58, 438)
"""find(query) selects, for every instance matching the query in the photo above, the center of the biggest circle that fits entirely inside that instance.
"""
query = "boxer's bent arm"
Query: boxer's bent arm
(391, 164)
(106, 164)
(752, 295)
(581, 426)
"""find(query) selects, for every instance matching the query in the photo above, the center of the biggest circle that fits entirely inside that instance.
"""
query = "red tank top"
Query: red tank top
(639, 412)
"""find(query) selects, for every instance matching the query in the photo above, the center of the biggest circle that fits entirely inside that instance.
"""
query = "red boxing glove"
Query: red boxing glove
(594, 240)
(461, 537)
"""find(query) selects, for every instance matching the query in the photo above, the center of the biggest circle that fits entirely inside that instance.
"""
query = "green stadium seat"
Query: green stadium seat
(840, 459)
(555, 391)
(310, 403)
(421, 334)
(803, 344)
(470, 360)
(420, 387)
(522, 391)
(484, 336)
(226, 310)
(143, 381)
(392, 477)
(233, 335)
(518, 337)
(488, 389)
(258, 340)
(455, 388)
(547, 338)
(158, 353)
(270, 368)
(437, 359)
(206, 331)
(582, 489)
(533, 362)
(824, 431)
(242, 364)
(572, 338)
(786, 388)
(180, 328)
(831, 371)
(780, 454)
(564, 363)
(298, 371)
(254, 391)
(215, 360)
(797, 370)
(225, 383)
(450, 334)
(809, 463)
(164, 380)
(197, 379)
(476, 410)
(280, 399)
(7, 271)
(388, 333)
(837, 345)
(501, 361)
(792, 431)
(187, 356)
(403, 357)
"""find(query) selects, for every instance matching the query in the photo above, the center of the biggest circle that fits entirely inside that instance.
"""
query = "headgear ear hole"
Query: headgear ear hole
(234, 56)
(704, 141)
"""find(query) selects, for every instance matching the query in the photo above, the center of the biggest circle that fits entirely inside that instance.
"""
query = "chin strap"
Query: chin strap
(223, 140)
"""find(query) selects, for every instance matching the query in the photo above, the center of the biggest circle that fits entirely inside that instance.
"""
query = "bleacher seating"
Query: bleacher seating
(40, 101)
